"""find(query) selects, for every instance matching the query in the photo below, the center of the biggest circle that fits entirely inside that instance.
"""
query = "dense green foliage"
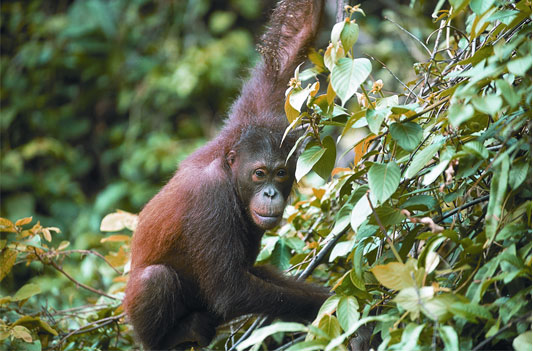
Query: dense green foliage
(423, 196)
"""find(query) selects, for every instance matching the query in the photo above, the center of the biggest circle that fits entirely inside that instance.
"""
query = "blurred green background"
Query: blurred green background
(101, 100)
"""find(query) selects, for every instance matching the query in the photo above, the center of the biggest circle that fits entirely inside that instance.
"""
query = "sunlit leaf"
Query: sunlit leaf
(23, 221)
(7, 260)
(347, 75)
(383, 180)
(413, 299)
(349, 35)
(523, 342)
(262, 333)
(330, 325)
(26, 292)
(376, 117)
(23, 333)
(394, 275)
(459, 113)
(120, 220)
(307, 160)
(347, 312)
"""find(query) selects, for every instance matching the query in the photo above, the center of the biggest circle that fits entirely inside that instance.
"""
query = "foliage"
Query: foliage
(425, 231)
(432, 220)
(92, 89)
(96, 325)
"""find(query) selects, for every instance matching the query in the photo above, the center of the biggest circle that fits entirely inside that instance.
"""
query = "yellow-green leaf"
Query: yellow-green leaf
(7, 260)
(26, 292)
(21, 332)
(394, 275)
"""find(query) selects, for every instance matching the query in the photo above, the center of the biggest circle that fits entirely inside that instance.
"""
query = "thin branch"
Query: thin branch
(460, 208)
(86, 287)
(410, 34)
(93, 326)
(88, 252)
(394, 76)
(290, 343)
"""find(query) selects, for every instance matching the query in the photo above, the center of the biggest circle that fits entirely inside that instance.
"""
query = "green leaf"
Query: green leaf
(343, 217)
(477, 148)
(336, 31)
(375, 118)
(383, 180)
(435, 172)
(414, 299)
(522, 342)
(394, 275)
(308, 159)
(26, 292)
(347, 312)
(330, 325)
(470, 311)
(437, 307)
(349, 35)
(298, 96)
(489, 104)
(325, 164)
(518, 174)
(281, 255)
(261, 334)
(420, 202)
(498, 187)
(508, 93)
(341, 249)
(328, 307)
(410, 336)
(422, 158)
(449, 338)
(459, 113)
(347, 75)
(407, 134)
(360, 212)
(480, 6)
(519, 66)
(311, 345)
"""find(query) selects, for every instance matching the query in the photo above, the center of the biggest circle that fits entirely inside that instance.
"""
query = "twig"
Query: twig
(389, 241)
(95, 325)
(489, 339)
(57, 267)
(410, 34)
(88, 252)
(460, 208)
(395, 77)
(427, 109)
(290, 343)
(318, 258)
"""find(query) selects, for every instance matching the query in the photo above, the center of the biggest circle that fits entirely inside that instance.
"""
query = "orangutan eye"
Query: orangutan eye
(282, 173)
(259, 173)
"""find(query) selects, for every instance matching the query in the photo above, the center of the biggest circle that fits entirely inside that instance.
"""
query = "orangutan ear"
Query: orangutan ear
(230, 157)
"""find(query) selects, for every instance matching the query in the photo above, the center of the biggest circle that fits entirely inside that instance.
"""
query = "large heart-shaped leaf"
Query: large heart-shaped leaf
(383, 180)
(347, 76)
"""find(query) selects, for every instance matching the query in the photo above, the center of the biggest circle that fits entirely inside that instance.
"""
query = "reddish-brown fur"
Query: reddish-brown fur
(195, 245)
